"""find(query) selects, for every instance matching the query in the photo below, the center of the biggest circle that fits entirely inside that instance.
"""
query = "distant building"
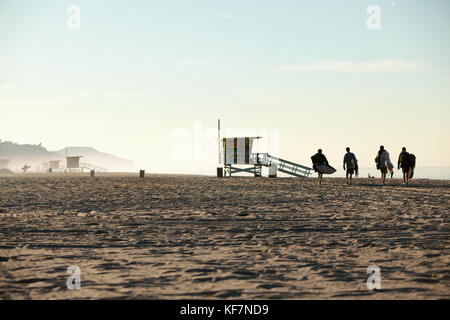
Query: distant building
(54, 164)
(45, 166)
(4, 163)
(73, 162)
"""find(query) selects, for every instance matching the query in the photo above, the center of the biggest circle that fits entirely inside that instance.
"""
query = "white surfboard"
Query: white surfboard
(390, 167)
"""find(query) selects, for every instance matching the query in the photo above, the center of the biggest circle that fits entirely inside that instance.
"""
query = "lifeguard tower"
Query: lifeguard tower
(74, 165)
(73, 162)
(51, 166)
(4, 163)
(237, 157)
(54, 164)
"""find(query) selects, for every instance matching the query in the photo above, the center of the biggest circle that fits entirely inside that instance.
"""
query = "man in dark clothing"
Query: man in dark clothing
(380, 160)
(318, 159)
(350, 163)
(404, 163)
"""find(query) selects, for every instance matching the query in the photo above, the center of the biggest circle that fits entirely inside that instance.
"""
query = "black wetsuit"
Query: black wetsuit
(403, 161)
(318, 159)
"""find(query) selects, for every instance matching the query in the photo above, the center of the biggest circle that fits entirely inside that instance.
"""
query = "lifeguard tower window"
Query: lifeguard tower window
(54, 164)
(238, 150)
(73, 162)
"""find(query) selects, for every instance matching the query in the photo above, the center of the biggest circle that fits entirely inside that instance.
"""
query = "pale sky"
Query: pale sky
(139, 78)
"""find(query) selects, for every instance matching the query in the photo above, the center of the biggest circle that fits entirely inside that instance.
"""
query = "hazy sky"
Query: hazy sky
(147, 80)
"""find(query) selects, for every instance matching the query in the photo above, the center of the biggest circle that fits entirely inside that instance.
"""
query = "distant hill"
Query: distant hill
(101, 159)
(35, 155)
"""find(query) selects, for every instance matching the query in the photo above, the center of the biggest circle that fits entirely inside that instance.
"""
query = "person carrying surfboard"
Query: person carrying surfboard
(382, 160)
(317, 160)
(350, 164)
(405, 161)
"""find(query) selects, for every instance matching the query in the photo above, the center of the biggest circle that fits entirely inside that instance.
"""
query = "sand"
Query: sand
(183, 237)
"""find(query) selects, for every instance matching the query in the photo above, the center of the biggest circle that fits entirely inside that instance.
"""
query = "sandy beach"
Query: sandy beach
(183, 237)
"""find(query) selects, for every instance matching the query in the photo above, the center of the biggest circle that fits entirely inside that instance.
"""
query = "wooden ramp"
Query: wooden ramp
(285, 166)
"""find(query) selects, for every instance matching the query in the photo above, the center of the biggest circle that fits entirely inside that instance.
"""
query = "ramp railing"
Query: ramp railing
(89, 166)
(285, 166)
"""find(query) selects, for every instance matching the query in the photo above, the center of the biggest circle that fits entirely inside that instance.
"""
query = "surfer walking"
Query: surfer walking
(351, 165)
(25, 168)
(319, 159)
(382, 160)
(404, 163)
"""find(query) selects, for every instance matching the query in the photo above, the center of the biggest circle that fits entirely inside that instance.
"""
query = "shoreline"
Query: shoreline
(154, 174)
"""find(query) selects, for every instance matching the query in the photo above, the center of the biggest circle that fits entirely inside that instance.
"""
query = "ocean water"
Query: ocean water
(437, 173)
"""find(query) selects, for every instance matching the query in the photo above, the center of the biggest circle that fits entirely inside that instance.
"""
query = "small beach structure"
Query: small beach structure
(74, 165)
(239, 158)
(51, 166)
(236, 155)
(73, 162)
(4, 163)
(55, 164)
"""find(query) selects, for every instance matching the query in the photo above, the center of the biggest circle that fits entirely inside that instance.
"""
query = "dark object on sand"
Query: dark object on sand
(412, 165)
(219, 172)
(141, 174)
(92, 173)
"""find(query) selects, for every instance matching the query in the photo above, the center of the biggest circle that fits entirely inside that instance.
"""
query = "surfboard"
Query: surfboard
(410, 173)
(325, 169)
(412, 165)
(390, 167)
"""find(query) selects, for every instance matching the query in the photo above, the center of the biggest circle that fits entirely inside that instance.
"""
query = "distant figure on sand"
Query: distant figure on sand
(382, 160)
(350, 164)
(406, 161)
(25, 168)
(319, 159)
